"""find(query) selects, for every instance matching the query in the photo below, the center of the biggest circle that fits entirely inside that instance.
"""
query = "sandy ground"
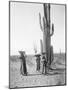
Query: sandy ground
(34, 78)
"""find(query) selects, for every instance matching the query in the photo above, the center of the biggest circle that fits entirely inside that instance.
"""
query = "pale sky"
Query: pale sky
(25, 29)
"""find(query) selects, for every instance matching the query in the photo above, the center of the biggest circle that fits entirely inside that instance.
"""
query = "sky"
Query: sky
(25, 31)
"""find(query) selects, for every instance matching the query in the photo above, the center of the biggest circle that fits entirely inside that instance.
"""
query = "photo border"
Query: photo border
(65, 42)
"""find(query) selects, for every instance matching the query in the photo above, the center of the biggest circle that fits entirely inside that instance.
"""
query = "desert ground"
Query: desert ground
(57, 76)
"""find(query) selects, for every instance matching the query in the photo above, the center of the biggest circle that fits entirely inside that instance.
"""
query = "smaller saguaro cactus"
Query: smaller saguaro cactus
(35, 48)
(41, 46)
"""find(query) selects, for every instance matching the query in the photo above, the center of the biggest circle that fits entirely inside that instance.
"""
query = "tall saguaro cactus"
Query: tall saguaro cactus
(47, 30)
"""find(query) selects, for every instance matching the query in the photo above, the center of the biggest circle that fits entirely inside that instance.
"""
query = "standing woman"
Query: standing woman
(23, 68)
(44, 62)
(38, 61)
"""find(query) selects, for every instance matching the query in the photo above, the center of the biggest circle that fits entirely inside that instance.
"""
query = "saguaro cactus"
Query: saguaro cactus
(47, 31)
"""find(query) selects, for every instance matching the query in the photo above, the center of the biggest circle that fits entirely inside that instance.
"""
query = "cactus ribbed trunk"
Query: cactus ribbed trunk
(47, 39)
(48, 49)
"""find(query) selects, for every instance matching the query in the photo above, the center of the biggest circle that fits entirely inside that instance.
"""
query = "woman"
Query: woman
(23, 68)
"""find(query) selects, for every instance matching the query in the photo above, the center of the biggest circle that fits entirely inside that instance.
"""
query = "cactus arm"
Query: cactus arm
(40, 22)
(44, 22)
(52, 30)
